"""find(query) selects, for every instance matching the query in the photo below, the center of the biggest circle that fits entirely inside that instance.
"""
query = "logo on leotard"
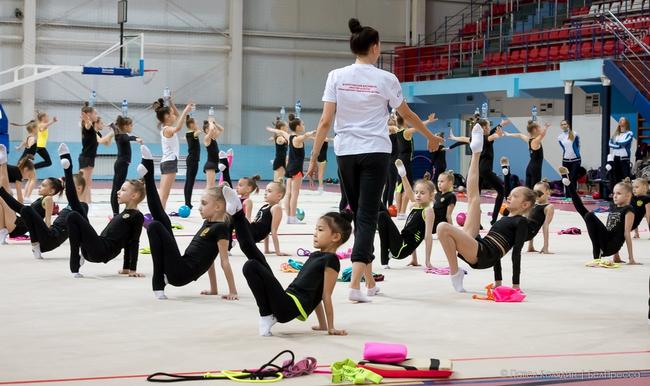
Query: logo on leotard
(639, 203)
(205, 232)
(126, 215)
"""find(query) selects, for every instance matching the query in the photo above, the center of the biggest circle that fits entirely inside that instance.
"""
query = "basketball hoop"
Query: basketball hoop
(148, 76)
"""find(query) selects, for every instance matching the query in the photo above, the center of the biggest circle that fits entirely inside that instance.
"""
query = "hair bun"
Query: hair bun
(355, 25)
(291, 117)
(256, 178)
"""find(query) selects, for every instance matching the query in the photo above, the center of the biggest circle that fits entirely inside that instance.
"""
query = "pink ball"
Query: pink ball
(460, 218)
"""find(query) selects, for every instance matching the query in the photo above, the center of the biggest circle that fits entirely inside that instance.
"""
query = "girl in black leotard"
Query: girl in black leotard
(392, 177)
(296, 139)
(607, 240)
(10, 224)
(212, 131)
(169, 266)
(534, 139)
(29, 143)
(16, 174)
(641, 204)
(439, 159)
(507, 233)
(280, 160)
(540, 217)
(122, 128)
(192, 160)
(91, 126)
(419, 224)
(312, 289)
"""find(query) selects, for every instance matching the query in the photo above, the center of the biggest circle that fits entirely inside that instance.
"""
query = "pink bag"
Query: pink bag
(508, 294)
(384, 352)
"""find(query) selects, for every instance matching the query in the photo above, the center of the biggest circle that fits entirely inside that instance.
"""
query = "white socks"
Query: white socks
(564, 172)
(266, 322)
(222, 154)
(3, 154)
(4, 234)
(77, 275)
(146, 153)
(476, 143)
(221, 167)
(373, 291)
(142, 170)
(160, 295)
(294, 220)
(457, 280)
(233, 205)
(357, 296)
(401, 170)
(36, 250)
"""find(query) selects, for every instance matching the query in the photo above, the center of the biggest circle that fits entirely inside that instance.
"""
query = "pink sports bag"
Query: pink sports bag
(384, 352)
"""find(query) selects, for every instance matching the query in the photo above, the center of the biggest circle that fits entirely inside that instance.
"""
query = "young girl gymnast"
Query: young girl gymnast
(91, 127)
(245, 187)
(29, 143)
(640, 203)
(212, 165)
(122, 128)
(534, 139)
(10, 224)
(280, 160)
(540, 217)
(122, 232)
(418, 227)
(507, 233)
(311, 290)
(296, 139)
(44, 124)
(570, 143)
(445, 200)
(170, 124)
(192, 160)
(322, 164)
(607, 240)
(16, 174)
(47, 237)
(169, 266)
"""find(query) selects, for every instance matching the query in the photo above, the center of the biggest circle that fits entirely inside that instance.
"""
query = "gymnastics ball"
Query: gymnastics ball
(460, 218)
(184, 211)
(148, 218)
(300, 214)
(392, 211)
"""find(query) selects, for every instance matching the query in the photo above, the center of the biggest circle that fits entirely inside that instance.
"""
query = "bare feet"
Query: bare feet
(130, 273)
(636, 233)
(633, 262)
(617, 259)
(230, 297)
(413, 263)
(532, 249)
(209, 292)
(545, 251)
(337, 332)
(319, 328)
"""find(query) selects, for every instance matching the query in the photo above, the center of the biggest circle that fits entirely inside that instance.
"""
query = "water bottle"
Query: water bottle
(167, 93)
(93, 98)
(125, 108)
(533, 112)
(477, 112)
(298, 107)
(283, 114)
(211, 113)
(192, 111)
(484, 110)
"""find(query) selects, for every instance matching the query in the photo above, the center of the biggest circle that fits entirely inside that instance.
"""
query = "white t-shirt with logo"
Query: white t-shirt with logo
(362, 94)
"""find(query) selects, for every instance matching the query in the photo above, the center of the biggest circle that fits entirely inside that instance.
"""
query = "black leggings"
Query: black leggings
(620, 170)
(226, 171)
(190, 178)
(603, 242)
(490, 179)
(120, 169)
(574, 168)
(47, 161)
(533, 174)
(83, 236)
(343, 203)
(362, 177)
(391, 239)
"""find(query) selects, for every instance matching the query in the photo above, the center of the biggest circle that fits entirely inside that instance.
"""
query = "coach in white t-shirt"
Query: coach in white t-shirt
(356, 98)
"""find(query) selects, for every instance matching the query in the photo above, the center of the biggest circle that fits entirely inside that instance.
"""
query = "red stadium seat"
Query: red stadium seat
(533, 54)
(543, 54)
(554, 53)
(586, 49)
(564, 52)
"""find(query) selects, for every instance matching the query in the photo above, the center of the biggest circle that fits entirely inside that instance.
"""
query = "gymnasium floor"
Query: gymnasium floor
(106, 329)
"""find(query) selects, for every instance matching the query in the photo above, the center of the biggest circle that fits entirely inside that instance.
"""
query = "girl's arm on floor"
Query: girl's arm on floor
(629, 221)
(48, 204)
(549, 212)
(450, 211)
(647, 214)
(19, 190)
(328, 288)
(227, 270)
(248, 208)
(322, 319)
(429, 218)
(276, 214)
(29, 187)
(212, 275)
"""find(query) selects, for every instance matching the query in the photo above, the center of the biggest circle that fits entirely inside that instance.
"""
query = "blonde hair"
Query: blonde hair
(642, 181)
(625, 184)
(571, 135)
(618, 127)
(431, 187)
(449, 174)
(138, 186)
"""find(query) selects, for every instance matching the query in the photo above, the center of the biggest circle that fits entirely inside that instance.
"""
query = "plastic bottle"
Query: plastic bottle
(298, 107)
(484, 110)
(93, 98)
(125, 108)
(167, 93)
(533, 112)
(192, 111)
(211, 112)
(283, 114)
(477, 111)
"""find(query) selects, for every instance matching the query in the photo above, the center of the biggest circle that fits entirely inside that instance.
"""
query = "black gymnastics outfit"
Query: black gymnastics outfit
(32, 216)
(396, 244)
(438, 163)
(487, 176)
(440, 205)
(639, 203)
(393, 176)
(33, 212)
(534, 168)
(121, 166)
(536, 220)
(322, 155)
(606, 240)
(296, 159)
(122, 232)
(261, 226)
(280, 160)
(169, 266)
(405, 153)
(507, 233)
(192, 166)
(301, 297)
(212, 163)
(88, 147)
